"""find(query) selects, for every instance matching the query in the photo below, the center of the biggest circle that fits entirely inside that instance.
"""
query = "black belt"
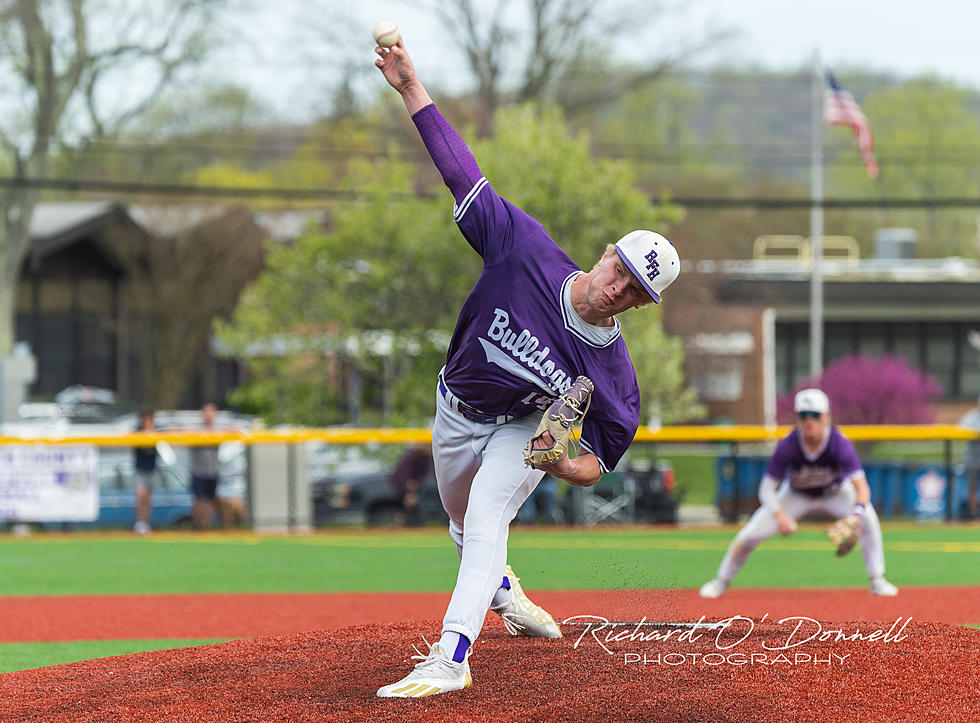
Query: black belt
(471, 413)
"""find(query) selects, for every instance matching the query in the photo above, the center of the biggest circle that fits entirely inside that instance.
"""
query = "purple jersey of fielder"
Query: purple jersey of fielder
(518, 343)
(834, 463)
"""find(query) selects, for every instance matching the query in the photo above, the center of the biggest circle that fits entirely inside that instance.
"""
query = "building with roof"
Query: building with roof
(746, 328)
(71, 301)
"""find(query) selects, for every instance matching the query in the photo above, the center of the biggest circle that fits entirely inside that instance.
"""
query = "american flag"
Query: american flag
(840, 109)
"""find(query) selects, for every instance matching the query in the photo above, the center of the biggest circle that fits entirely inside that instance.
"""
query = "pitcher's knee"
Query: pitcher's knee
(746, 546)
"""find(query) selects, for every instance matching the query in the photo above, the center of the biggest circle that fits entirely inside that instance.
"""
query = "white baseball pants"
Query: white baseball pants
(482, 483)
(762, 525)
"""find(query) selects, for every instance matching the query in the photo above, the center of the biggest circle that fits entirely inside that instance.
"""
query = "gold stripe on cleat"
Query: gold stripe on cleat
(403, 689)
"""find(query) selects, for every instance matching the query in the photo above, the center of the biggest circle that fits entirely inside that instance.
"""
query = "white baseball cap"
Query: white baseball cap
(811, 400)
(651, 258)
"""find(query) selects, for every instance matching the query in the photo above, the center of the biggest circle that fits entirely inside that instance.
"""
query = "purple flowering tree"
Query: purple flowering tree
(871, 390)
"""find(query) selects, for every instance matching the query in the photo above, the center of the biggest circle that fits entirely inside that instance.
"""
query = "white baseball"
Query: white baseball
(386, 33)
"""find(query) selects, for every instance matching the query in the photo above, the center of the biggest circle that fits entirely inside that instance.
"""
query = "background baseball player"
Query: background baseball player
(822, 473)
(532, 325)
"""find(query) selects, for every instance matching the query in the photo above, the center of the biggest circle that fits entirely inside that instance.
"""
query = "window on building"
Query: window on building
(907, 340)
(873, 339)
(839, 340)
(946, 351)
(940, 348)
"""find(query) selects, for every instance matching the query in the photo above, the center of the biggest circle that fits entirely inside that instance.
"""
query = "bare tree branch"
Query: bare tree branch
(540, 42)
(51, 50)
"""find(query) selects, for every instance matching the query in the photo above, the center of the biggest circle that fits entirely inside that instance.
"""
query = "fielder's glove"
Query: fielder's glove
(844, 533)
(561, 417)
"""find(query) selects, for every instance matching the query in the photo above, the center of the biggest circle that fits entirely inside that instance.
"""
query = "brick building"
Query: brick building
(745, 326)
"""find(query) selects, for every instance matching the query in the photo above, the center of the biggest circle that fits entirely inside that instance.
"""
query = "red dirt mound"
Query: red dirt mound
(905, 673)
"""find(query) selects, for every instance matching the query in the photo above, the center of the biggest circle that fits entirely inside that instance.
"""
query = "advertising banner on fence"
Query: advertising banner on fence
(49, 483)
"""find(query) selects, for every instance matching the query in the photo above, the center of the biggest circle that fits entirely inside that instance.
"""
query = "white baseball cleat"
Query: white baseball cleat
(435, 674)
(523, 617)
(881, 586)
(713, 588)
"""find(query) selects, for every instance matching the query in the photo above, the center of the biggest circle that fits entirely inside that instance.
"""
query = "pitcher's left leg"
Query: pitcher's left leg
(497, 492)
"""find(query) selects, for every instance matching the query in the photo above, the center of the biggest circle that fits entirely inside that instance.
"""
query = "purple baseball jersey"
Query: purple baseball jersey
(518, 343)
(834, 463)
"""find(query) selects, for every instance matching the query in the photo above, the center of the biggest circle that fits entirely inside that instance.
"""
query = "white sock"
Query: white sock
(500, 598)
(453, 645)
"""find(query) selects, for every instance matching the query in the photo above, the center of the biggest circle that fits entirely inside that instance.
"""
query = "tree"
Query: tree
(535, 161)
(184, 129)
(659, 363)
(355, 318)
(927, 142)
(173, 293)
(544, 40)
(698, 134)
(369, 306)
(869, 390)
(63, 66)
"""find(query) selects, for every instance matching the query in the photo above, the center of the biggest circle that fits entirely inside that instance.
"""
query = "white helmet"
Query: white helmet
(651, 258)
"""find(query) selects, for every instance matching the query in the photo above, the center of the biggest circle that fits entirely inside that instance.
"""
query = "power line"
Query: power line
(688, 155)
(176, 189)
(287, 194)
(287, 141)
(828, 203)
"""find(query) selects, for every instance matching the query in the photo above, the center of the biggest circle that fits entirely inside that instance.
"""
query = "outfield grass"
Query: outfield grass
(425, 560)
(695, 477)
(24, 656)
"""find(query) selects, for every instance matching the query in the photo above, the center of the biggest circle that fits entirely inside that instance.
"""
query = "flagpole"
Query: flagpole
(816, 218)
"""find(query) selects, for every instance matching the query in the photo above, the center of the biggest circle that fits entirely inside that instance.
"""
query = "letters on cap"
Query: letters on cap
(651, 258)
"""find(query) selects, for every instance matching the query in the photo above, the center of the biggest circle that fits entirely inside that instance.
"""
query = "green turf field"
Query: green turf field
(562, 558)
(425, 560)
(23, 656)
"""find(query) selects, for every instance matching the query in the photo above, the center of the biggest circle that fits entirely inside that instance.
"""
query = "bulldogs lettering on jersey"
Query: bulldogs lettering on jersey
(535, 365)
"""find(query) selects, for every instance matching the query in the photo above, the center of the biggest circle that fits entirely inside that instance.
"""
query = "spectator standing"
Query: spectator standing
(204, 473)
(145, 466)
(414, 466)
(971, 420)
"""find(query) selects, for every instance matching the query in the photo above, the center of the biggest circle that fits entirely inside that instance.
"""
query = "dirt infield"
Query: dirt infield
(121, 617)
(879, 665)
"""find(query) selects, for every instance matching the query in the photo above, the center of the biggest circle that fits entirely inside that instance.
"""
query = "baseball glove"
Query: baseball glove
(844, 534)
(559, 419)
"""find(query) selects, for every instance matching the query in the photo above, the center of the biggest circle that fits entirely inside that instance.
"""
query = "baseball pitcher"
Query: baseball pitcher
(536, 355)
(814, 469)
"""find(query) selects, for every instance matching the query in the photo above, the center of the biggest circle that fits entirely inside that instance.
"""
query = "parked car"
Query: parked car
(352, 485)
(172, 498)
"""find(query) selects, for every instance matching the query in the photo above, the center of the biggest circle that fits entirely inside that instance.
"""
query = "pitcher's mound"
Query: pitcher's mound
(916, 671)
